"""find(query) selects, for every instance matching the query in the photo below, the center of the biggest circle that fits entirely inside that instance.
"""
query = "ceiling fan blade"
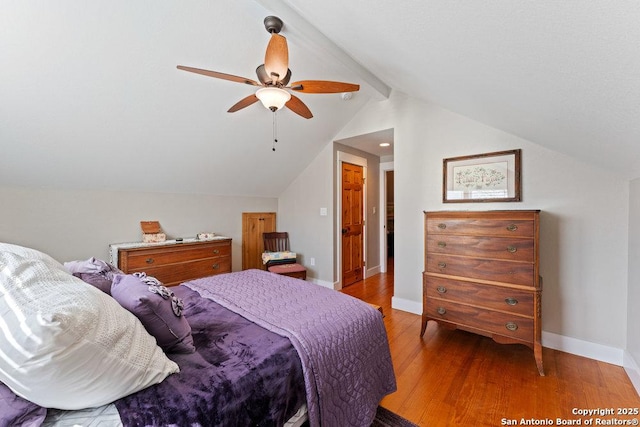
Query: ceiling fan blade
(298, 107)
(323, 86)
(218, 75)
(276, 59)
(244, 102)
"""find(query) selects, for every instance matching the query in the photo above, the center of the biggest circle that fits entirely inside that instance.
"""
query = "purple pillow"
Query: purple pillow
(16, 411)
(158, 310)
(99, 280)
(95, 272)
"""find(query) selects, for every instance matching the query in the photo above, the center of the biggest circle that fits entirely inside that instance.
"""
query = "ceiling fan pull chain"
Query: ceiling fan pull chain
(275, 130)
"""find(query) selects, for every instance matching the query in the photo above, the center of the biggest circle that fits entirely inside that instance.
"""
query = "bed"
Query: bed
(248, 348)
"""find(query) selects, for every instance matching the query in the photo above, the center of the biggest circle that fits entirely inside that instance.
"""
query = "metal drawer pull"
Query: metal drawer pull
(216, 251)
(149, 261)
(511, 326)
(441, 310)
(442, 226)
(442, 244)
(442, 264)
(511, 301)
(216, 266)
(512, 227)
(512, 249)
(441, 290)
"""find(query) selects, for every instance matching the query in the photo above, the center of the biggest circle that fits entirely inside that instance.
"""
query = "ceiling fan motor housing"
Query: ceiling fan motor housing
(273, 24)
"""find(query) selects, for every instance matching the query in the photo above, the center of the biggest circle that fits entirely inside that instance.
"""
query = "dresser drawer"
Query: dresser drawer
(485, 320)
(519, 273)
(481, 226)
(174, 274)
(508, 248)
(486, 296)
(146, 258)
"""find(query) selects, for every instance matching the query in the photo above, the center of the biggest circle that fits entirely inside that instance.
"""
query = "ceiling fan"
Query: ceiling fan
(274, 76)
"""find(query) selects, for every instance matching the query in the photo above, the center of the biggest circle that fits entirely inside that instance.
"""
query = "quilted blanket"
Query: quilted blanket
(341, 341)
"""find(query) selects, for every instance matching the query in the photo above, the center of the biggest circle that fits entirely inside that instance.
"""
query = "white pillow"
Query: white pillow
(67, 345)
(30, 253)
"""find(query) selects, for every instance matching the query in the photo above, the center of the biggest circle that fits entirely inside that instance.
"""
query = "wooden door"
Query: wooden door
(352, 223)
(253, 225)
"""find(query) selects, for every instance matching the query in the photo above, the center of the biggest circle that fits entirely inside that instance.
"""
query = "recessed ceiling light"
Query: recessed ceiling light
(384, 144)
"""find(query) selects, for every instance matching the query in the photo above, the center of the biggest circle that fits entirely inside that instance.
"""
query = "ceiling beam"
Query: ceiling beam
(318, 42)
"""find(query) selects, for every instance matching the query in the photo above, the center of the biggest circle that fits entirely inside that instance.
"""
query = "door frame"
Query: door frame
(343, 157)
(384, 168)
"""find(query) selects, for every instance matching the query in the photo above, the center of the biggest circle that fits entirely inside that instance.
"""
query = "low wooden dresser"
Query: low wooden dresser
(482, 275)
(174, 262)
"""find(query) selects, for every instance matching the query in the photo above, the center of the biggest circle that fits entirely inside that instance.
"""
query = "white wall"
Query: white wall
(584, 224)
(72, 225)
(632, 356)
(311, 234)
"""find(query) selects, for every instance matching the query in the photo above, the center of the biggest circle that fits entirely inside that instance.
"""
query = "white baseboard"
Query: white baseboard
(338, 286)
(406, 305)
(578, 347)
(633, 370)
(372, 271)
(323, 283)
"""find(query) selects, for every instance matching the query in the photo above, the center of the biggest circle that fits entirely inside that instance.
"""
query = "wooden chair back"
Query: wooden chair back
(277, 241)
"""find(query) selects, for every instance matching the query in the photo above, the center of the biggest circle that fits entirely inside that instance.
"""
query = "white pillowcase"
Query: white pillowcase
(30, 253)
(65, 344)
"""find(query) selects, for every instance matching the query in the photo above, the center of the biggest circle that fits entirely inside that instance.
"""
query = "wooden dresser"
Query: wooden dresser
(173, 263)
(482, 275)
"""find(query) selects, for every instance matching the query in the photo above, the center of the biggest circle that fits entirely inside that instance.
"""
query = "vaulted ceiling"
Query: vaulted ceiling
(90, 96)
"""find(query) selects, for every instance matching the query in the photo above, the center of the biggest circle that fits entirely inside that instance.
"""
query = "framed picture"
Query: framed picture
(490, 177)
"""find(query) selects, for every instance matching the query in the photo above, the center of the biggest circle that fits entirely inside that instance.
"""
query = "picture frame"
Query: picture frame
(482, 178)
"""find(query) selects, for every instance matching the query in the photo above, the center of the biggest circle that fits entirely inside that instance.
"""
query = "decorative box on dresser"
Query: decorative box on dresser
(174, 262)
(482, 275)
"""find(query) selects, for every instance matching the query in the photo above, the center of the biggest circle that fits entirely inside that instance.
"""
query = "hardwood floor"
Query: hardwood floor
(455, 378)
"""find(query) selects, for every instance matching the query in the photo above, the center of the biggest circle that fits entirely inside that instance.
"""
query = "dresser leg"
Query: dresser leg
(537, 353)
(424, 325)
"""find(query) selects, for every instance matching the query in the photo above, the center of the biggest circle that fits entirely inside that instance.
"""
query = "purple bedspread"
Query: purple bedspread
(341, 341)
(240, 375)
(17, 411)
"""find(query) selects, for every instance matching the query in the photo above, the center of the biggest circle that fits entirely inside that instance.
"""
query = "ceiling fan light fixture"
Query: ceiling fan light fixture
(273, 98)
